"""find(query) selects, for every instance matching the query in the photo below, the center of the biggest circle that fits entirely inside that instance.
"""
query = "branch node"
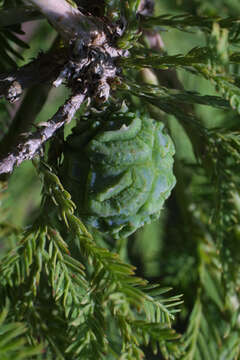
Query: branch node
(13, 92)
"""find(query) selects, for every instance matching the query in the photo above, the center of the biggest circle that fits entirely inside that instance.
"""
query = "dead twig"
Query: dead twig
(29, 146)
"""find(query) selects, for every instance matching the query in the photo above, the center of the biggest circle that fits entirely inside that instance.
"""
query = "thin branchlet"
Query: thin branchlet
(30, 145)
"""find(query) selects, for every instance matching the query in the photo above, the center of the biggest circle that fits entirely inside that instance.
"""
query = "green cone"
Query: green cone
(118, 168)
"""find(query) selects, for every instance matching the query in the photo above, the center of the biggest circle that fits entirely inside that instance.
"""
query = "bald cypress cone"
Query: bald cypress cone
(118, 168)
